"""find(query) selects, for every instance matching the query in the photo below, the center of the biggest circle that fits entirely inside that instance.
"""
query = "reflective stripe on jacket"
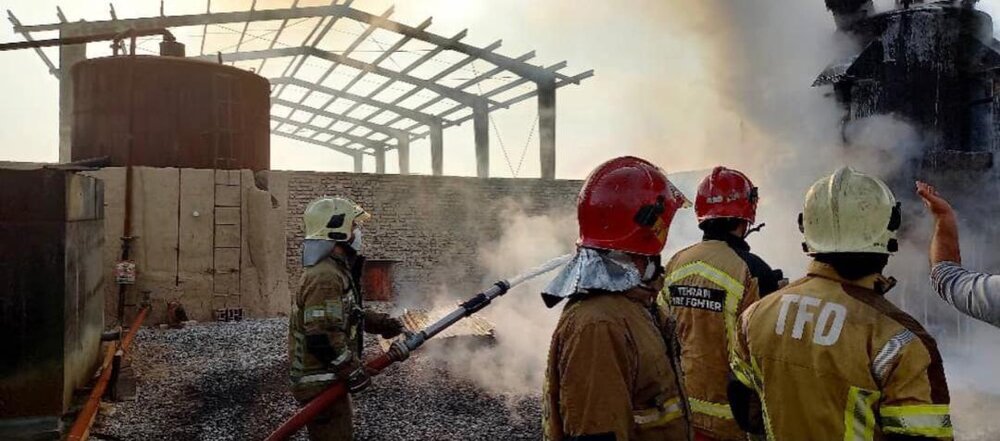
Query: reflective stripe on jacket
(832, 357)
(708, 285)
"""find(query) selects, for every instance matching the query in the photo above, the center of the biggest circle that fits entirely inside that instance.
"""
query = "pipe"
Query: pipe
(80, 430)
(413, 342)
(126, 238)
(114, 335)
(67, 41)
(83, 164)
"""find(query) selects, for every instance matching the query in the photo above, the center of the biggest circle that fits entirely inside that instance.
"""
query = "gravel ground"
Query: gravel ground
(227, 381)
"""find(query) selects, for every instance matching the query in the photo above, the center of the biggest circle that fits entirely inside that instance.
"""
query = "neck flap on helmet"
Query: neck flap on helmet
(315, 250)
(589, 270)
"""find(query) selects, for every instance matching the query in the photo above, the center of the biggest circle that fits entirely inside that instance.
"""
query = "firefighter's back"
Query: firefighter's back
(609, 373)
(836, 360)
(709, 285)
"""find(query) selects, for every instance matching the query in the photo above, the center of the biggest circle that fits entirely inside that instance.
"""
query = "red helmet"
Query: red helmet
(726, 193)
(627, 205)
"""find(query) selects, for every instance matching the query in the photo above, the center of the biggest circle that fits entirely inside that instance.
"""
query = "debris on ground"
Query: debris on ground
(470, 330)
(228, 381)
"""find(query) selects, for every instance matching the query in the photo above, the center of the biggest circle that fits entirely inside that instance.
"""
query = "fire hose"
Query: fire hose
(405, 346)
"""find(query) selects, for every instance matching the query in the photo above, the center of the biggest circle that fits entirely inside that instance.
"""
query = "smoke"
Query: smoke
(515, 363)
(738, 92)
(766, 118)
(749, 104)
(789, 134)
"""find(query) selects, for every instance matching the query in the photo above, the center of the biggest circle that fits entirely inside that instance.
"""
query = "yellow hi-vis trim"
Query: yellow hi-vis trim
(743, 373)
(930, 420)
(734, 294)
(750, 375)
(859, 416)
(755, 369)
(709, 408)
(660, 416)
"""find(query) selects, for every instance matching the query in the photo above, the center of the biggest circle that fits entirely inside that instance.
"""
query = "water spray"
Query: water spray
(402, 348)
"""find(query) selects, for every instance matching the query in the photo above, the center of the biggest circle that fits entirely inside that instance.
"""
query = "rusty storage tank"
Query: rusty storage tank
(179, 112)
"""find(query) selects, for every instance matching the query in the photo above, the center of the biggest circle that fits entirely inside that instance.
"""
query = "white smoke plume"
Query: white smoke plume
(792, 136)
(749, 105)
(515, 363)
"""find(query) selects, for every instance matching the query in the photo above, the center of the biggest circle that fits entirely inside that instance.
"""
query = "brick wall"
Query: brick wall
(432, 226)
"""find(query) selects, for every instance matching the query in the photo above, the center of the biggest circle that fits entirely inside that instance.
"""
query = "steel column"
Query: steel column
(437, 149)
(547, 128)
(68, 56)
(403, 150)
(359, 163)
(380, 161)
(481, 129)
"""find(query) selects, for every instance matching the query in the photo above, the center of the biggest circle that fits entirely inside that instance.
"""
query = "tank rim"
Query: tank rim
(168, 60)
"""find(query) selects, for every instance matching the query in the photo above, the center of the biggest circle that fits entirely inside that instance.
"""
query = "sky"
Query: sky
(619, 111)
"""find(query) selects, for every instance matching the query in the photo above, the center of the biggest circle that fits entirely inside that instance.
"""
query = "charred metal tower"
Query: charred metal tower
(934, 65)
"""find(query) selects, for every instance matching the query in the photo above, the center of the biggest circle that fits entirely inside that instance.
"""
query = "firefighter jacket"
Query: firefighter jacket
(708, 285)
(326, 323)
(831, 358)
(609, 375)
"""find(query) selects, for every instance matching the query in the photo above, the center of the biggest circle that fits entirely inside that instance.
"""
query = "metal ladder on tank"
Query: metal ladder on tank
(227, 240)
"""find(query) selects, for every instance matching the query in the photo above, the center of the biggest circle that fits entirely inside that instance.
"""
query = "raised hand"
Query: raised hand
(937, 205)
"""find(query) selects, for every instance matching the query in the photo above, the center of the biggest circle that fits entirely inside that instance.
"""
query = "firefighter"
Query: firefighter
(828, 355)
(327, 320)
(708, 285)
(610, 376)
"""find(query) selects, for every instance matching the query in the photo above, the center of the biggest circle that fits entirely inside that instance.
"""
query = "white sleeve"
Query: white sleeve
(974, 294)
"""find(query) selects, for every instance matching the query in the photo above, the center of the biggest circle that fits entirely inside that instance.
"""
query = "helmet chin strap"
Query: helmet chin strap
(357, 242)
(754, 229)
(654, 270)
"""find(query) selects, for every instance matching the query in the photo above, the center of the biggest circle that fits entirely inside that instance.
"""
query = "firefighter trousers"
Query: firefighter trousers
(333, 424)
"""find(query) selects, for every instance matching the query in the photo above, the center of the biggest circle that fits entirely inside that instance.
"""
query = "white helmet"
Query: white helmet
(332, 218)
(850, 212)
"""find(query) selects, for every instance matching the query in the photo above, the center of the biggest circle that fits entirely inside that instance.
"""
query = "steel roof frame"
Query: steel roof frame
(424, 122)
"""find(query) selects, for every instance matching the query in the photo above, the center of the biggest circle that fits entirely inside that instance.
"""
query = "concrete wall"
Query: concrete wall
(205, 238)
(432, 226)
(51, 291)
(211, 239)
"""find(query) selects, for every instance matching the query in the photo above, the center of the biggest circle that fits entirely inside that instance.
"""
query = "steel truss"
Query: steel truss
(394, 123)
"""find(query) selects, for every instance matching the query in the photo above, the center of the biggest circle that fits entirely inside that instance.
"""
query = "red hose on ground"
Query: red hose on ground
(322, 402)
(80, 430)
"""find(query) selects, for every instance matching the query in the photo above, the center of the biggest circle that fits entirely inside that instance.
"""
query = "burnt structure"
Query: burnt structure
(934, 65)
(51, 296)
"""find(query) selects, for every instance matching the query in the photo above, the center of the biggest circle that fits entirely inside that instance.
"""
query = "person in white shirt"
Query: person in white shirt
(973, 293)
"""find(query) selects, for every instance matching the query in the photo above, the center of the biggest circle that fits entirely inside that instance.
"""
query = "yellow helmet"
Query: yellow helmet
(850, 212)
(333, 218)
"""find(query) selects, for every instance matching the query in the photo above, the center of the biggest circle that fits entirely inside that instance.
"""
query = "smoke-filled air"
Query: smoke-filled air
(752, 108)
(193, 261)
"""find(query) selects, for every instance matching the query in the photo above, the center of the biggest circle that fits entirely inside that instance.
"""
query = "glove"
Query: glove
(393, 328)
(350, 368)
(358, 380)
